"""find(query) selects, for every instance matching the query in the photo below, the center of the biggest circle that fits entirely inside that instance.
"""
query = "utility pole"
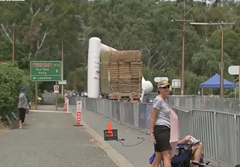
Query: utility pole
(221, 64)
(13, 43)
(62, 87)
(183, 50)
(183, 45)
(74, 80)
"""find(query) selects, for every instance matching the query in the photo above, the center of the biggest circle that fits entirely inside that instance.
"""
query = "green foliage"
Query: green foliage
(151, 74)
(40, 27)
(145, 25)
(12, 79)
(60, 100)
(80, 77)
(191, 80)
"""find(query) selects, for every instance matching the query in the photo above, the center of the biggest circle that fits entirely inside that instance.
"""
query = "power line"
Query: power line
(221, 64)
(211, 23)
(183, 20)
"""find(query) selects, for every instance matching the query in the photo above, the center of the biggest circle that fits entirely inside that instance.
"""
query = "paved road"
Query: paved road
(132, 148)
(136, 151)
(48, 107)
(51, 140)
(48, 99)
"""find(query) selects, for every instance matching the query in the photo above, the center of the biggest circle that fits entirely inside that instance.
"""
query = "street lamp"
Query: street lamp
(221, 64)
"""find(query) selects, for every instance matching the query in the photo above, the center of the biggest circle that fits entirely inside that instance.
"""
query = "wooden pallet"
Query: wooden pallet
(125, 98)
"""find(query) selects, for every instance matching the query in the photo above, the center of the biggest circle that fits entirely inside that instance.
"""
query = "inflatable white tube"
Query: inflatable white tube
(93, 67)
(95, 48)
(147, 86)
(105, 48)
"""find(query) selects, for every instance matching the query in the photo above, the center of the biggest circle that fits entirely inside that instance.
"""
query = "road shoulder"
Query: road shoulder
(117, 158)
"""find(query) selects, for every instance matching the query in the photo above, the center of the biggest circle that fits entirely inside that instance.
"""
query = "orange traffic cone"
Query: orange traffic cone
(109, 129)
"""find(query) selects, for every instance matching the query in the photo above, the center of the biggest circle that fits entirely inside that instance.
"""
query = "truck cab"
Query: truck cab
(150, 97)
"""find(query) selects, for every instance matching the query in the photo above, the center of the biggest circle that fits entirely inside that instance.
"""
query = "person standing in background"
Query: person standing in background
(22, 106)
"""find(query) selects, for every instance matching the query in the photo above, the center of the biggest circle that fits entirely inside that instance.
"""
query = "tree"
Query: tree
(80, 79)
(12, 79)
(192, 83)
(144, 25)
(231, 41)
(206, 61)
(40, 28)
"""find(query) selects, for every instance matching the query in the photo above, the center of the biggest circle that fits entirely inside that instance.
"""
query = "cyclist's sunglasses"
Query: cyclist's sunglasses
(165, 87)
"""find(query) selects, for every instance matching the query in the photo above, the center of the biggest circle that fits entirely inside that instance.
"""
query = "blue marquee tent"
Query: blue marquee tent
(214, 82)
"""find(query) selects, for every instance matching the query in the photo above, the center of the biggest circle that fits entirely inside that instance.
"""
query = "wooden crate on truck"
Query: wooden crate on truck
(121, 75)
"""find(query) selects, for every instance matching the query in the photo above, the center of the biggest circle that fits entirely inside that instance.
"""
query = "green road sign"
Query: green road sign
(46, 70)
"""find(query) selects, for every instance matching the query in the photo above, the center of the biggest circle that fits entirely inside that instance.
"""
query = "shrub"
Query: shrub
(60, 100)
(12, 79)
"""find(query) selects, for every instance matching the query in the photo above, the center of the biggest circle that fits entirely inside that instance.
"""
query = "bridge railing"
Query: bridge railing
(205, 103)
(218, 131)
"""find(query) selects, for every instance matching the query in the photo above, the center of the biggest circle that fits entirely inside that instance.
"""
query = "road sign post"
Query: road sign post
(158, 79)
(46, 70)
(176, 83)
(56, 89)
(36, 95)
(79, 113)
(63, 82)
(235, 70)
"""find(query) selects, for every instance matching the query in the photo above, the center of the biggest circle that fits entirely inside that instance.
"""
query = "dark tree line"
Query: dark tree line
(147, 25)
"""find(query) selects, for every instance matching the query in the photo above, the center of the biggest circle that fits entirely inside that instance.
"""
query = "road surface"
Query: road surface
(50, 140)
(133, 148)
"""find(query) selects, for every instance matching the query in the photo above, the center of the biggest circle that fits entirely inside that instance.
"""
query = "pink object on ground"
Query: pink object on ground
(174, 132)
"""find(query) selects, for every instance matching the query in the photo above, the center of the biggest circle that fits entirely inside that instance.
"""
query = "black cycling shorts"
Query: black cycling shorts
(162, 137)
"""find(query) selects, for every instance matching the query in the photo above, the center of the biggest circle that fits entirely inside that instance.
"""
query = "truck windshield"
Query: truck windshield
(152, 95)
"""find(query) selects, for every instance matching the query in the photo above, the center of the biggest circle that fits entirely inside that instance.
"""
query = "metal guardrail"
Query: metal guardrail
(218, 131)
(205, 103)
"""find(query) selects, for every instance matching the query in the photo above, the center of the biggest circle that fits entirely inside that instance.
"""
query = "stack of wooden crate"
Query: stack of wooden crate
(121, 72)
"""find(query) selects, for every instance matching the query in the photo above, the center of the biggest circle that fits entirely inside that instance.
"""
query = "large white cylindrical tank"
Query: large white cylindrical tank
(93, 67)
(147, 86)
(94, 50)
